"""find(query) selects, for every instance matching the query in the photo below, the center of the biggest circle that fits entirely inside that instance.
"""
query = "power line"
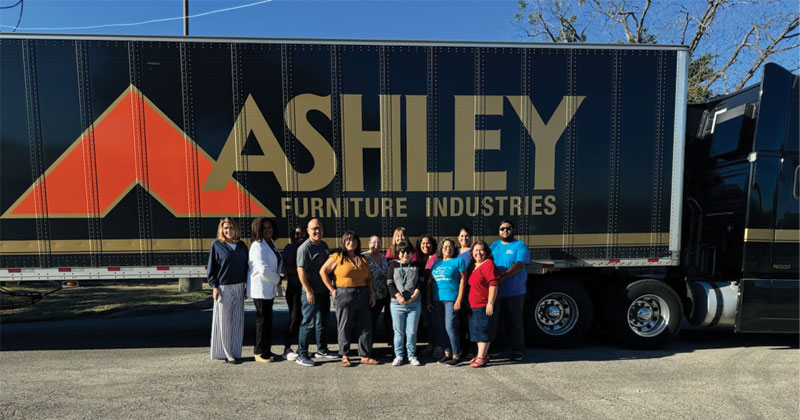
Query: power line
(19, 19)
(12, 5)
(108, 25)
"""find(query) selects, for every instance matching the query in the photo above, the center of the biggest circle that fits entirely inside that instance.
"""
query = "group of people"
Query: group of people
(457, 293)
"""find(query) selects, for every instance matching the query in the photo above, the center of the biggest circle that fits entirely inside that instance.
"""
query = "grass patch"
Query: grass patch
(94, 299)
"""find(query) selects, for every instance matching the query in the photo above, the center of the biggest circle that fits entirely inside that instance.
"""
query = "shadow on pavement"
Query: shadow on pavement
(192, 329)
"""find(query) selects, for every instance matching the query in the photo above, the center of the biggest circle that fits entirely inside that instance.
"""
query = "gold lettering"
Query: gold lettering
(316, 207)
(427, 207)
(487, 209)
(250, 119)
(545, 136)
(440, 206)
(417, 176)
(354, 141)
(371, 207)
(468, 140)
(391, 178)
(550, 203)
(537, 205)
(502, 201)
(386, 207)
(515, 206)
(333, 207)
(472, 211)
(321, 151)
(402, 206)
(356, 206)
(526, 205)
(297, 207)
(286, 204)
(456, 202)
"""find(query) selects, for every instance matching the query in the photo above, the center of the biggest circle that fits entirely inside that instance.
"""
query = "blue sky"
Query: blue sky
(411, 20)
(441, 20)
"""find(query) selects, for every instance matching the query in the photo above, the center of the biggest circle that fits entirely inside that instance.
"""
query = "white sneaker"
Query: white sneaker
(289, 354)
(414, 361)
(398, 360)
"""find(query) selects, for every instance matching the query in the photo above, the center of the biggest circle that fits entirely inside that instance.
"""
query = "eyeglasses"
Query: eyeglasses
(506, 228)
(403, 251)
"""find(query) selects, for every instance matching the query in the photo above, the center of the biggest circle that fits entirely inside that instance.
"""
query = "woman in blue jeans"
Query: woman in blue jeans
(445, 294)
(404, 282)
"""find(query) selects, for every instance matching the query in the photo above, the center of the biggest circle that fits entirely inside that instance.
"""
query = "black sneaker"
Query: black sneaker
(325, 354)
(453, 362)
(444, 360)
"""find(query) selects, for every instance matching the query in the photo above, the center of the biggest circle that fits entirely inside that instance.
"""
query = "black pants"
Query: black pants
(295, 314)
(463, 333)
(263, 326)
(382, 305)
(353, 318)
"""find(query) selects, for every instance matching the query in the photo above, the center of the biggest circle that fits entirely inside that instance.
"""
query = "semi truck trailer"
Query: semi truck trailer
(118, 156)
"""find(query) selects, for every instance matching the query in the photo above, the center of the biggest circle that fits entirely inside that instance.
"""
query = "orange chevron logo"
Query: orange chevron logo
(132, 143)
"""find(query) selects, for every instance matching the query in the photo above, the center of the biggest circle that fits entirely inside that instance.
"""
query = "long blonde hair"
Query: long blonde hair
(393, 245)
(221, 236)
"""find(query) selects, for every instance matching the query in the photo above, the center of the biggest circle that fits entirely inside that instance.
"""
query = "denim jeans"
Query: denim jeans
(405, 320)
(446, 327)
(510, 327)
(314, 317)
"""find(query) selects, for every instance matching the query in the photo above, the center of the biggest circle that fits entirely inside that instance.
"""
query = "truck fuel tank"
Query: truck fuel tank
(713, 303)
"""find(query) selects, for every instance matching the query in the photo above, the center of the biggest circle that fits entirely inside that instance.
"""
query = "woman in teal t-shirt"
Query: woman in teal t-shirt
(445, 294)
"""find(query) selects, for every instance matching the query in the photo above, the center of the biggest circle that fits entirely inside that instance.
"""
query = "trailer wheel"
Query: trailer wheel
(647, 314)
(558, 313)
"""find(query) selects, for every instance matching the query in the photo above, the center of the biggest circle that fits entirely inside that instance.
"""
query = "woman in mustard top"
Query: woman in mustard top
(353, 296)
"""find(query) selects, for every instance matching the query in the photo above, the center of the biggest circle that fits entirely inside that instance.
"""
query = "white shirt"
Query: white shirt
(263, 271)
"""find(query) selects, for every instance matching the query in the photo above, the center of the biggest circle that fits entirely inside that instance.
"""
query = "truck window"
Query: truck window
(731, 129)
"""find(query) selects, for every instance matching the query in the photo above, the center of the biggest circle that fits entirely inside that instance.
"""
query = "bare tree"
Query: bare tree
(721, 53)
(771, 48)
(554, 20)
(629, 17)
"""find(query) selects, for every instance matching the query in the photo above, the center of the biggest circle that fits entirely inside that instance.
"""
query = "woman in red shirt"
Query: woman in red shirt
(483, 283)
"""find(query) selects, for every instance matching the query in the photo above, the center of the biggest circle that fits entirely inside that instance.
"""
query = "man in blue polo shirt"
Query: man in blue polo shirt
(511, 256)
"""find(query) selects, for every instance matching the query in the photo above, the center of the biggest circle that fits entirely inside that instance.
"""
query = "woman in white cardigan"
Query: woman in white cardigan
(263, 278)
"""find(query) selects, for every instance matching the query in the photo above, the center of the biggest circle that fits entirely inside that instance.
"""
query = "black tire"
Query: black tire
(570, 319)
(646, 314)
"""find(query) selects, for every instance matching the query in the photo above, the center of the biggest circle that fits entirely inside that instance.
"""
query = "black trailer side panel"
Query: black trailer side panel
(145, 144)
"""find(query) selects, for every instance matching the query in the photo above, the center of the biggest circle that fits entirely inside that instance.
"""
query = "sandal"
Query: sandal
(345, 361)
(369, 361)
(478, 362)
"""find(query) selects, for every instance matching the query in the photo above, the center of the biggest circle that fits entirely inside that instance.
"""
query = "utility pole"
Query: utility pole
(185, 17)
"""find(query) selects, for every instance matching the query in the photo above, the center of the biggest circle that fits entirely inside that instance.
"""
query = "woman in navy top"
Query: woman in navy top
(227, 275)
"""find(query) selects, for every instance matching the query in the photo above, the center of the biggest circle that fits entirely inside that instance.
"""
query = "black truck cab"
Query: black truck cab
(741, 234)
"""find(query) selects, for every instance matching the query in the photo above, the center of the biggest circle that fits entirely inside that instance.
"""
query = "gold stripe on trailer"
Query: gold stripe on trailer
(177, 245)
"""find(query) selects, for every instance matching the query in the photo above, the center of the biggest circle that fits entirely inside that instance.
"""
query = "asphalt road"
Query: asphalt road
(158, 367)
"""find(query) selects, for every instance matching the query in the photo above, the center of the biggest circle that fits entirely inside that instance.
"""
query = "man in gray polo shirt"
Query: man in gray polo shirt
(316, 301)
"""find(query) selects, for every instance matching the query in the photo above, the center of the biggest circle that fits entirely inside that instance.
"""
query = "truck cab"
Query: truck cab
(740, 243)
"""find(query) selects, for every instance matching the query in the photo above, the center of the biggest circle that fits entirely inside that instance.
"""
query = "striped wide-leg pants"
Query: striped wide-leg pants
(227, 325)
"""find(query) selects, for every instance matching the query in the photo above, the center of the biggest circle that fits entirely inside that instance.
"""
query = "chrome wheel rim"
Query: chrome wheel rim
(556, 313)
(648, 315)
